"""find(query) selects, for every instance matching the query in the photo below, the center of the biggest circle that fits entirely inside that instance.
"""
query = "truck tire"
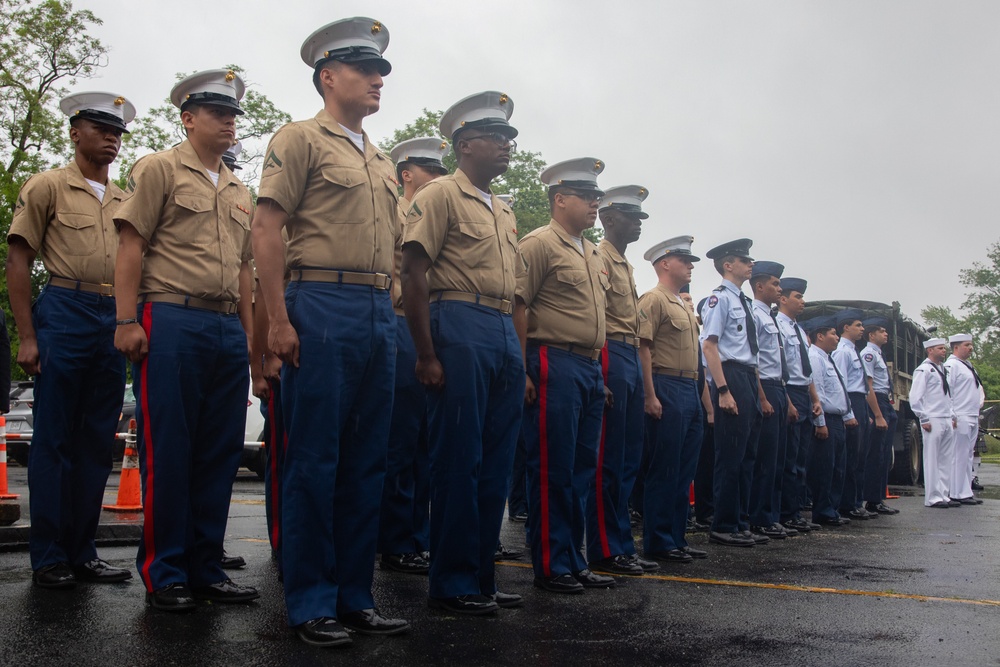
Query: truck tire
(908, 465)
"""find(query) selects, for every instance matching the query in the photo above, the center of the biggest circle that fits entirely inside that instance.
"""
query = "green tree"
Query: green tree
(161, 128)
(980, 308)
(44, 47)
(531, 203)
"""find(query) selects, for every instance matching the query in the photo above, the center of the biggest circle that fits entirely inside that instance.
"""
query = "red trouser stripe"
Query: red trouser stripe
(148, 515)
(543, 442)
(273, 463)
(602, 528)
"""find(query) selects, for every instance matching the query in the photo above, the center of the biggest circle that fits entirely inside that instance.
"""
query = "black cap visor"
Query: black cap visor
(357, 54)
(215, 99)
(102, 117)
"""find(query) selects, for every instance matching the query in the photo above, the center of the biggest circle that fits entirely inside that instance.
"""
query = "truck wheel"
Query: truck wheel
(913, 451)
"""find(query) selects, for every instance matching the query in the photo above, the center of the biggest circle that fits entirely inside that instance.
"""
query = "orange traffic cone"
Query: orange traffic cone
(129, 488)
(4, 491)
(888, 495)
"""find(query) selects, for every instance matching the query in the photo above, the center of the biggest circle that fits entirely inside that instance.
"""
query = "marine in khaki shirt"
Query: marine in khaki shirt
(623, 299)
(672, 331)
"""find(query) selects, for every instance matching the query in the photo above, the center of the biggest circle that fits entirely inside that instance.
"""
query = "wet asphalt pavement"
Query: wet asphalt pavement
(919, 588)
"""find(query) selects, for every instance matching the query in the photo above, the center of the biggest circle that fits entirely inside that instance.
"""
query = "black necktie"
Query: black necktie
(781, 348)
(751, 327)
(807, 368)
(974, 373)
(840, 377)
(864, 371)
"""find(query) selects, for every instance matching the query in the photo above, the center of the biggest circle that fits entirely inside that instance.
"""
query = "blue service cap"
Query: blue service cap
(489, 110)
(218, 87)
(105, 108)
(817, 323)
(627, 199)
(578, 173)
(350, 40)
(877, 321)
(848, 315)
(762, 268)
(737, 248)
(701, 304)
(789, 285)
(686, 289)
(422, 151)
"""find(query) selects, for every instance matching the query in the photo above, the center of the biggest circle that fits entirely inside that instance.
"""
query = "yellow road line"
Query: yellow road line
(246, 502)
(803, 589)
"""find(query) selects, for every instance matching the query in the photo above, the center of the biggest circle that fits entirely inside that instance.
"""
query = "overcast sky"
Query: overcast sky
(856, 142)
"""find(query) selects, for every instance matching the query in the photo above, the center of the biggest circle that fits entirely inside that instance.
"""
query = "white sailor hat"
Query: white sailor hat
(627, 199)
(960, 338)
(580, 174)
(219, 87)
(506, 199)
(489, 109)
(934, 342)
(423, 151)
(350, 40)
(100, 107)
(678, 246)
(231, 154)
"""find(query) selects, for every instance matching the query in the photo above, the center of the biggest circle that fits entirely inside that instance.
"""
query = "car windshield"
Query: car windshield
(129, 396)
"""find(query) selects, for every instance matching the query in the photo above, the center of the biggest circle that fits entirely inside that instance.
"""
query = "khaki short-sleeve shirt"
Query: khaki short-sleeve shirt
(623, 298)
(473, 249)
(564, 289)
(341, 204)
(73, 232)
(197, 233)
(671, 329)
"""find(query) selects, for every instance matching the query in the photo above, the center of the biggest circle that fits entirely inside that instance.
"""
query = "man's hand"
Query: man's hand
(817, 409)
(130, 340)
(881, 424)
(261, 389)
(283, 341)
(272, 367)
(27, 356)
(728, 404)
(926, 427)
(766, 407)
(822, 433)
(430, 372)
(851, 423)
(793, 414)
(653, 407)
(710, 417)
(530, 394)
(609, 398)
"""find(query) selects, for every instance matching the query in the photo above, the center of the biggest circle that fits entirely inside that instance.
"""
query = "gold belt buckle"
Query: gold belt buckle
(107, 289)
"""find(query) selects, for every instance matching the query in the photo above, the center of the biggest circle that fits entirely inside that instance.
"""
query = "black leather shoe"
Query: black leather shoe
(967, 501)
(646, 565)
(769, 532)
(591, 580)
(880, 508)
(694, 553)
(564, 583)
(504, 553)
(860, 514)
(620, 564)
(789, 532)
(800, 525)
(700, 526)
(976, 486)
(672, 556)
(730, 539)
(406, 563)
(100, 572)
(470, 605)
(226, 591)
(520, 517)
(941, 504)
(507, 600)
(954, 503)
(806, 507)
(758, 538)
(324, 632)
(58, 576)
(634, 517)
(370, 622)
(232, 562)
(175, 597)
(832, 521)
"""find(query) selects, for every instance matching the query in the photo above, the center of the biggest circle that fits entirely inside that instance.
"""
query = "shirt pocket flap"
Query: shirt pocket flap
(76, 220)
(194, 203)
(241, 218)
(680, 323)
(344, 176)
(571, 276)
(476, 230)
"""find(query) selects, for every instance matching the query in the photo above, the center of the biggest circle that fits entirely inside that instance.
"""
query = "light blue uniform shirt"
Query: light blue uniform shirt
(831, 392)
(726, 320)
(768, 342)
(793, 356)
(847, 360)
(875, 366)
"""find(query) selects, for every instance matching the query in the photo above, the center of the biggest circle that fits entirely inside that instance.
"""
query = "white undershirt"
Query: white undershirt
(357, 137)
(578, 242)
(214, 176)
(98, 188)
(486, 197)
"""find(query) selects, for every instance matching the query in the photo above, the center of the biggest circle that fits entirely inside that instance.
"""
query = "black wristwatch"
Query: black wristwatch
(724, 389)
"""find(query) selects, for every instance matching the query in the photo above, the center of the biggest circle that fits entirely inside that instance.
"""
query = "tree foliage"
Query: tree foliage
(531, 203)
(981, 305)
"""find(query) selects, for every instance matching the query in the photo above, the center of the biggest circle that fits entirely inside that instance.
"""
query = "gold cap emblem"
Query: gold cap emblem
(642, 191)
(503, 98)
(376, 28)
(326, 54)
(444, 145)
(119, 101)
(230, 75)
(598, 164)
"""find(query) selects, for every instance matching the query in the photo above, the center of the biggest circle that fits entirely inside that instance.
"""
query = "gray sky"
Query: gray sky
(855, 141)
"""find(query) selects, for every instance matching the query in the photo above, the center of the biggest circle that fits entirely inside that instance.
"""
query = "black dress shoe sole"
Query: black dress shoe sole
(403, 569)
(81, 575)
(225, 599)
(182, 608)
(232, 563)
(510, 604)
(558, 588)
(324, 643)
(731, 543)
(616, 569)
(445, 605)
(66, 585)
(365, 630)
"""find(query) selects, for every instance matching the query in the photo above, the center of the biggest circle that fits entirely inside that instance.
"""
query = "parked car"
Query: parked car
(20, 420)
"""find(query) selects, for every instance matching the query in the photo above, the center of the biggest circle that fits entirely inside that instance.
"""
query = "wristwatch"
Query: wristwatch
(724, 389)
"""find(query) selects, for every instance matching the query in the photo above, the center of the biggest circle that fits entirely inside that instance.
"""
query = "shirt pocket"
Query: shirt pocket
(571, 277)
(478, 244)
(346, 200)
(621, 287)
(198, 216)
(679, 323)
(80, 233)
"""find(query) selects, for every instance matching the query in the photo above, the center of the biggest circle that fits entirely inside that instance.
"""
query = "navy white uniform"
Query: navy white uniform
(930, 400)
(967, 399)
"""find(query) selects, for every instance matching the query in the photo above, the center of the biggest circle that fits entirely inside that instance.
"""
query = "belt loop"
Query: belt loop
(340, 277)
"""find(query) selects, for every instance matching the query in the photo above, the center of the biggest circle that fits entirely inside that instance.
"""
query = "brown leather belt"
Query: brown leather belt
(673, 372)
(628, 339)
(224, 307)
(376, 280)
(104, 289)
(587, 352)
(502, 305)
